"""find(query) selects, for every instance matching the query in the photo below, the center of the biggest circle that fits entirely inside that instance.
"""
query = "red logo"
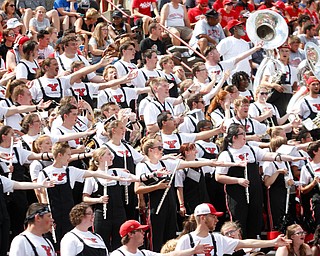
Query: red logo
(317, 106)
(60, 176)
(249, 97)
(124, 152)
(47, 249)
(118, 97)
(94, 240)
(171, 143)
(244, 156)
(211, 150)
(80, 91)
(53, 87)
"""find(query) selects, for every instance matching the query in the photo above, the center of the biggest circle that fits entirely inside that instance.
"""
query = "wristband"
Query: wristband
(189, 90)
(42, 156)
(37, 108)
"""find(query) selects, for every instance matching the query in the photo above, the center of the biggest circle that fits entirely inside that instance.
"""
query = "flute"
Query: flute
(167, 189)
(246, 177)
(10, 161)
(53, 232)
(126, 189)
(105, 193)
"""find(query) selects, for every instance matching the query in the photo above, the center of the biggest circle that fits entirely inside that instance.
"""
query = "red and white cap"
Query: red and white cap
(204, 209)
(131, 225)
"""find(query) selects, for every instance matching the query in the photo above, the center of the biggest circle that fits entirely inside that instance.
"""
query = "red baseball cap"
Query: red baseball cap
(233, 23)
(131, 225)
(285, 45)
(311, 80)
(202, 1)
(280, 5)
(204, 209)
(227, 2)
(21, 40)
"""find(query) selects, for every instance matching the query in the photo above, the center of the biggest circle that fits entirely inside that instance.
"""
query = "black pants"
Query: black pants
(4, 237)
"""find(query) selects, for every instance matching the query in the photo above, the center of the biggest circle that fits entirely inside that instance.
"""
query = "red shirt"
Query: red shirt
(313, 15)
(217, 5)
(143, 6)
(195, 13)
(226, 17)
(242, 6)
(293, 13)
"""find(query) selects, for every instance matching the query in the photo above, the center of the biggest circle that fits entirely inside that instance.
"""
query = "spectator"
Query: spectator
(154, 41)
(8, 38)
(16, 25)
(243, 5)
(296, 53)
(85, 26)
(67, 11)
(53, 32)
(27, 9)
(44, 49)
(175, 17)
(227, 13)
(197, 13)
(142, 13)
(207, 31)
(311, 11)
(8, 12)
(309, 35)
(39, 22)
(119, 26)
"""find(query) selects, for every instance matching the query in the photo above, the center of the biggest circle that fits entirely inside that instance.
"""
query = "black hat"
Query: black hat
(117, 14)
(212, 13)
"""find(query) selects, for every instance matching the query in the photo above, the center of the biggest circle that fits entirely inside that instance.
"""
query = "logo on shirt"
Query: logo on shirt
(93, 240)
(211, 150)
(59, 176)
(117, 97)
(124, 153)
(171, 143)
(317, 106)
(243, 157)
(47, 249)
(249, 97)
(53, 87)
(80, 91)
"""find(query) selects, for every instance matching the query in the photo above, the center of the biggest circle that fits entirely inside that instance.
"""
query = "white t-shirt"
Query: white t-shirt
(305, 176)
(50, 86)
(304, 109)
(72, 246)
(230, 47)
(154, 108)
(221, 67)
(21, 247)
(14, 121)
(137, 157)
(251, 125)
(254, 112)
(81, 125)
(171, 141)
(117, 95)
(80, 89)
(138, 253)
(123, 68)
(36, 167)
(269, 168)
(62, 131)
(225, 245)
(210, 147)
(66, 62)
(143, 73)
(22, 71)
(239, 155)
(7, 184)
(44, 53)
(23, 155)
(142, 168)
(59, 175)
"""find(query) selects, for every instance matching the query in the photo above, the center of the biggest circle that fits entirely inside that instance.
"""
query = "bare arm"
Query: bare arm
(186, 18)
(164, 14)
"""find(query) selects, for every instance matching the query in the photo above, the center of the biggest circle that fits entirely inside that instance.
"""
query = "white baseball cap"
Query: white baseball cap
(13, 23)
(204, 209)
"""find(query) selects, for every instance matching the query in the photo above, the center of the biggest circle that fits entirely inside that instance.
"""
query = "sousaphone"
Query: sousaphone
(270, 28)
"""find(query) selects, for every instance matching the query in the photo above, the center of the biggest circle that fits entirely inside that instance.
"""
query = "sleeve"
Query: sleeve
(140, 169)
(179, 178)
(3, 112)
(305, 177)
(33, 22)
(36, 91)
(253, 111)
(259, 128)
(183, 243)
(137, 157)
(92, 41)
(18, 246)
(260, 153)
(23, 155)
(188, 137)
(89, 186)
(268, 168)
(7, 184)
(21, 71)
(76, 174)
(70, 245)
(35, 168)
(150, 114)
(224, 157)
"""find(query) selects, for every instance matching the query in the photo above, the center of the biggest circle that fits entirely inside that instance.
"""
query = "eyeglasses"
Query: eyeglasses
(12, 35)
(11, 5)
(170, 119)
(300, 233)
(241, 133)
(204, 69)
(159, 148)
(264, 93)
(130, 49)
(231, 232)
(104, 29)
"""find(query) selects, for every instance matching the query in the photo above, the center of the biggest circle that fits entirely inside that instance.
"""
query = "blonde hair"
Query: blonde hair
(94, 161)
(147, 144)
(41, 8)
(97, 34)
(38, 142)
(92, 13)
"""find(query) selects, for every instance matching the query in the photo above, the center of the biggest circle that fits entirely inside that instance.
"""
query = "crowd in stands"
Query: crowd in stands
(111, 140)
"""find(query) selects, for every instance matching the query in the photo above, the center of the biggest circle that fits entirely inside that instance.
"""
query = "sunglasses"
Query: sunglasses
(11, 5)
(264, 93)
(159, 148)
(300, 233)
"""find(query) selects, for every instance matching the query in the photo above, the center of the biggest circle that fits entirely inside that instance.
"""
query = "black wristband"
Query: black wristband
(189, 90)
(42, 156)
(37, 108)
(78, 156)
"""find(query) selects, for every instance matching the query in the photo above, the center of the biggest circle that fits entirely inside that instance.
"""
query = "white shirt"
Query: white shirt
(22, 71)
(138, 253)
